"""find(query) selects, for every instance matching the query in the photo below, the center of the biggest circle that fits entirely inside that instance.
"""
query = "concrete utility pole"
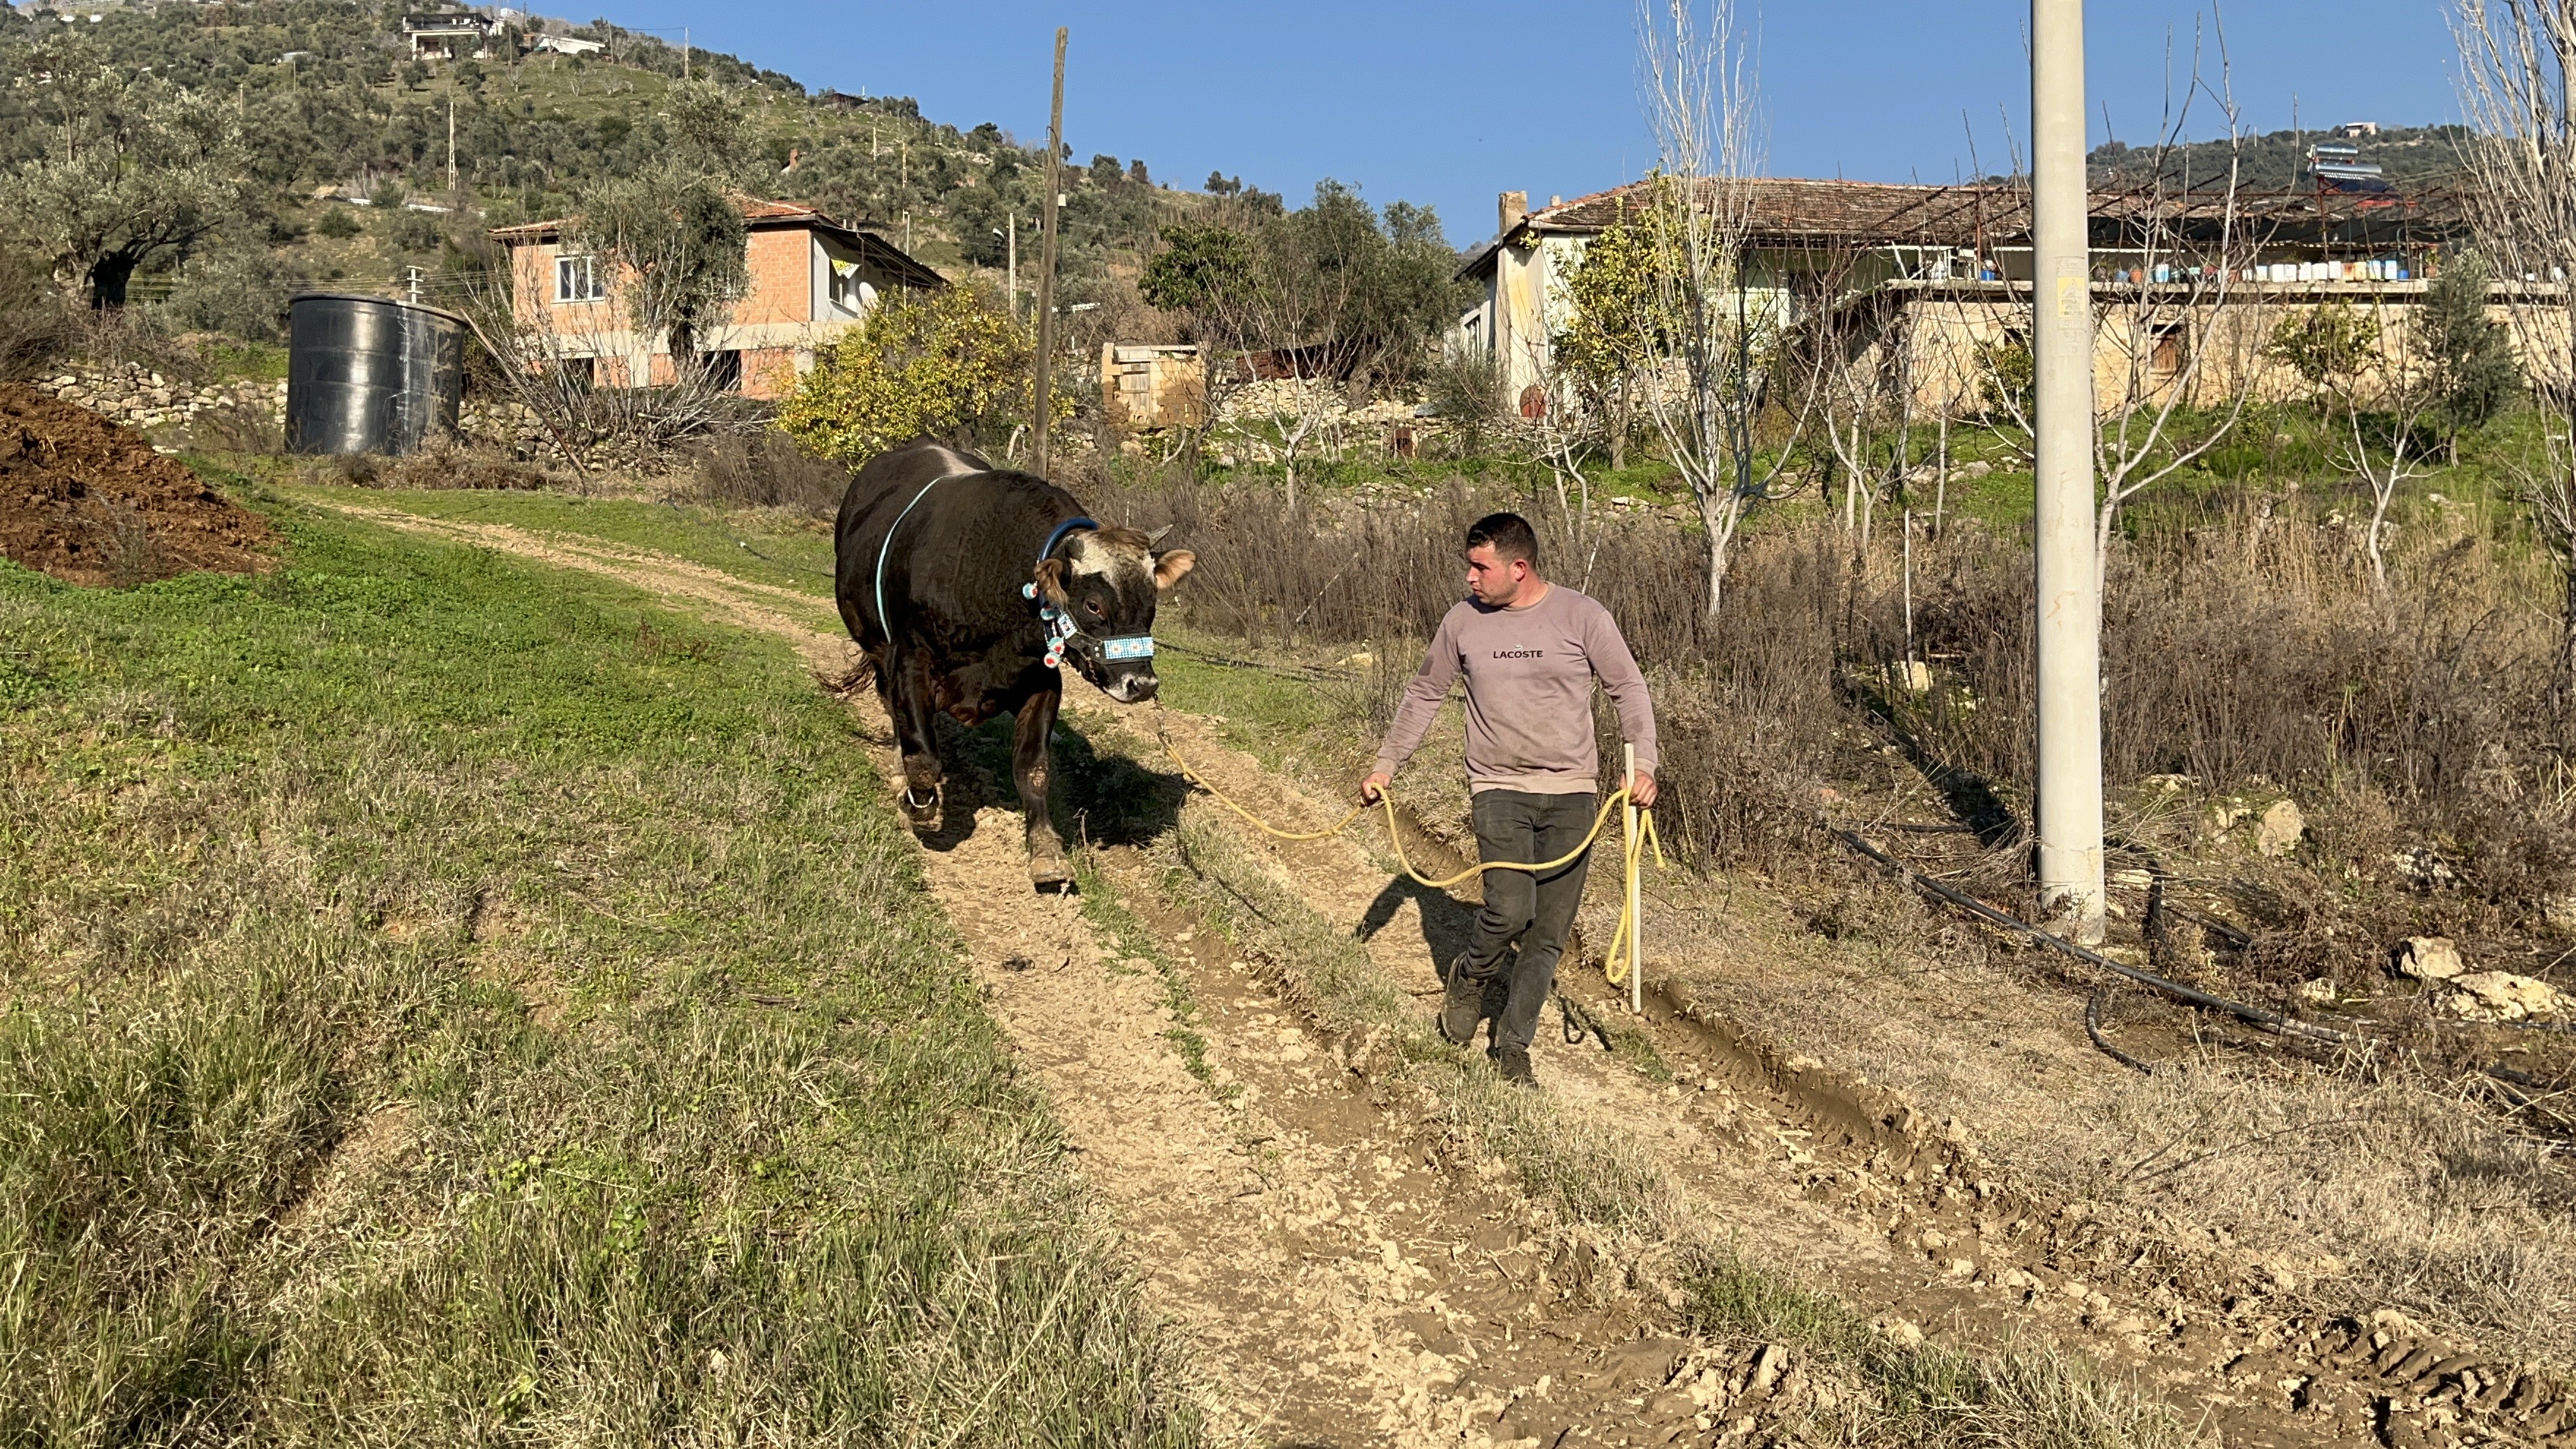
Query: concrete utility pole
(1042, 414)
(2068, 635)
(451, 139)
(1011, 276)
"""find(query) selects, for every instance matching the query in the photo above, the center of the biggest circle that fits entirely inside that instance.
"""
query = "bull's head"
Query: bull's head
(1107, 581)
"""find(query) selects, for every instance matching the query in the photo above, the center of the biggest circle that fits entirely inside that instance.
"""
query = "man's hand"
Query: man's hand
(1641, 790)
(1373, 787)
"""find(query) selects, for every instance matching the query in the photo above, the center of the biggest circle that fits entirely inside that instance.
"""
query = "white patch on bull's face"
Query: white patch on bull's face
(1094, 559)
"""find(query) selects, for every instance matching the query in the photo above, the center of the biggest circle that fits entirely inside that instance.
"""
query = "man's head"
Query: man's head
(1502, 559)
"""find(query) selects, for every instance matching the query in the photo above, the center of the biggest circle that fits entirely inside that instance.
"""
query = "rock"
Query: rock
(2282, 828)
(1910, 676)
(1978, 469)
(2429, 958)
(2320, 992)
(2501, 996)
(2422, 868)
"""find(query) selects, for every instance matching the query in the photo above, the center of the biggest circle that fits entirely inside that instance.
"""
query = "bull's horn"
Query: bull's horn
(1157, 535)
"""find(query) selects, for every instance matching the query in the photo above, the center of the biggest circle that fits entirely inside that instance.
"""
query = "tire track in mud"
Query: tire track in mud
(1338, 1279)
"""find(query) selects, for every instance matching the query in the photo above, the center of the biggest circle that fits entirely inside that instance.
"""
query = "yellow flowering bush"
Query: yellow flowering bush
(921, 364)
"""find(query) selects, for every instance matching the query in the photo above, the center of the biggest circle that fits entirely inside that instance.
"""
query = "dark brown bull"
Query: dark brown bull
(964, 585)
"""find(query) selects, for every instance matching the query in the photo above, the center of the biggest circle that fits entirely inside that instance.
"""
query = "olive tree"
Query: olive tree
(130, 169)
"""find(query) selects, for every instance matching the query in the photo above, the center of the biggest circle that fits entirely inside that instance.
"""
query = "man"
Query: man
(1529, 650)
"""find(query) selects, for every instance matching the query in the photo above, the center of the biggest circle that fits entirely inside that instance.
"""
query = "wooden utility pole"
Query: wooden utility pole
(1041, 403)
(1011, 274)
(2068, 633)
(451, 138)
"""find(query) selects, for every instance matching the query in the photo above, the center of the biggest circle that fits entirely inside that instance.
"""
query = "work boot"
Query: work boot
(1512, 1064)
(1463, 1005)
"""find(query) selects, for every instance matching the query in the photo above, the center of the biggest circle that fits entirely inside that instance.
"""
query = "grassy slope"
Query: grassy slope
(446, 993)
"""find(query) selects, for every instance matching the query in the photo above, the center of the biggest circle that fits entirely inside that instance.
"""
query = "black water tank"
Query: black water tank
(368, 375)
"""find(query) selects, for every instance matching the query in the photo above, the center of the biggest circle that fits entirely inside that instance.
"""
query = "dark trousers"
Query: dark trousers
(1534, 910)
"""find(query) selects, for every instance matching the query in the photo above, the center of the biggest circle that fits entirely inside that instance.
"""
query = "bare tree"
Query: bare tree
(2176, 336)
(2375, 400)
(1866, 395)
(1708, 360)
(2517, 63)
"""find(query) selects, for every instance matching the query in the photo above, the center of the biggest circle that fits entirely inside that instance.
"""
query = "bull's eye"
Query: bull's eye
(1093, 605)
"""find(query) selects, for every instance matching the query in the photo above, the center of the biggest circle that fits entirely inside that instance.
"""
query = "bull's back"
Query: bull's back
(877, 496)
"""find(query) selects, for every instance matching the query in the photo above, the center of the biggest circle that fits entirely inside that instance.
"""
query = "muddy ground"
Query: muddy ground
(1345, 1265)
(90, 502)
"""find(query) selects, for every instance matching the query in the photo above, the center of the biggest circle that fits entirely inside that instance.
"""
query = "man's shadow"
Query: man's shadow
(1448, 928)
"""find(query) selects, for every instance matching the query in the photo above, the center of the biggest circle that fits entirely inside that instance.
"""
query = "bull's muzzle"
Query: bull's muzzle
(1132, 686)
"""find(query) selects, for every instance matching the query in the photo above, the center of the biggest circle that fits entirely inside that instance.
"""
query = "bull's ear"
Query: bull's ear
(1051, 584)
(1172, 565)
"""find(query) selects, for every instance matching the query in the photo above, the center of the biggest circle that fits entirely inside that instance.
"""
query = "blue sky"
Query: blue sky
(1447, 102)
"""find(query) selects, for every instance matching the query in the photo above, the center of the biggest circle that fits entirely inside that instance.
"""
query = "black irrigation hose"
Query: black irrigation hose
(2253, 1015)
(2093, 1029)
(1223, 662)
(1576, 1020)
(782, 563)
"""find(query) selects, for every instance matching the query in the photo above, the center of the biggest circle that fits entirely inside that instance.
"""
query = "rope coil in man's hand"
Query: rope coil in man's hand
(1616, 967)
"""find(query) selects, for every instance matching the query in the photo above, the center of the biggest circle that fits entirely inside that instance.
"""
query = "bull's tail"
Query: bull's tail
(861, 670)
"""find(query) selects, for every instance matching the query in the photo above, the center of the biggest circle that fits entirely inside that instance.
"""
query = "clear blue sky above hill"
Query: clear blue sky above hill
(1446, 102)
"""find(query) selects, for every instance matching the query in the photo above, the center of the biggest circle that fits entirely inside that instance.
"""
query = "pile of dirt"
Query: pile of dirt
(89, 502)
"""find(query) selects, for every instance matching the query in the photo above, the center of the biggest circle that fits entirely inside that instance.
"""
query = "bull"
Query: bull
(966, 587)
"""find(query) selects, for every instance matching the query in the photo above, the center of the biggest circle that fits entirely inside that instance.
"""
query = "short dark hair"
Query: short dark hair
(1509, 533)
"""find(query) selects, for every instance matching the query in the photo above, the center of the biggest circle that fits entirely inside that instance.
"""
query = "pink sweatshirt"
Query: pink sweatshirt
(1529, 694)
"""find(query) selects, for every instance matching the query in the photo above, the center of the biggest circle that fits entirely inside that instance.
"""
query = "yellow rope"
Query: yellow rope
(1616, 966)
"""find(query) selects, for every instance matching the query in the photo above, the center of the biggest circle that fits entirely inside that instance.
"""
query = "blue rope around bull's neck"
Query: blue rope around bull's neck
(1061, 529)
(884, 548)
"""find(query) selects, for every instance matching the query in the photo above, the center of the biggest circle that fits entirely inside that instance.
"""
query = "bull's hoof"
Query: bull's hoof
(1050, 872)
(921, 809)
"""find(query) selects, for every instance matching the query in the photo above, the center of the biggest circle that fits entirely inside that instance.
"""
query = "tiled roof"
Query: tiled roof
(1791, 207)
(1790, 210)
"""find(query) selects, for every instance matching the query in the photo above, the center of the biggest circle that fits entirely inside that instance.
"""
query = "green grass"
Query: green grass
(445, 995)
(748, 546)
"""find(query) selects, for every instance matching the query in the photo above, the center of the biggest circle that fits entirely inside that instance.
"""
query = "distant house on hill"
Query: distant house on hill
(448, 35)
(812, 278)
(567, 45)
(1949, 266)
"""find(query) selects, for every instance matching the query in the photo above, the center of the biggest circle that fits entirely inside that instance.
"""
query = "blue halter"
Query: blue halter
(1061, 631)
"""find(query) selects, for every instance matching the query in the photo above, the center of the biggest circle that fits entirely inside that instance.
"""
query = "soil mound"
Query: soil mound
(89, 502)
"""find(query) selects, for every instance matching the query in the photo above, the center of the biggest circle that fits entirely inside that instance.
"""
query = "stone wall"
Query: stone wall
(128, 393)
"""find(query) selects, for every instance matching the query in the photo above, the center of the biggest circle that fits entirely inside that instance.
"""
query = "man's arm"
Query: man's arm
(1620, 678)
(1422, 698)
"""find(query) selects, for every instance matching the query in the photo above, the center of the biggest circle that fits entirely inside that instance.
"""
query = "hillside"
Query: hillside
(332, 108)
(2414, 157)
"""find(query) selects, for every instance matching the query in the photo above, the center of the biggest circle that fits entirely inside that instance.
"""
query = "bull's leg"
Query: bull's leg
(1047, 865)
(908, 704)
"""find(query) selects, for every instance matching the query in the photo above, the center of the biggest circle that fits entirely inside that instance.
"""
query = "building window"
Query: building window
(577, 279)
(724, 371)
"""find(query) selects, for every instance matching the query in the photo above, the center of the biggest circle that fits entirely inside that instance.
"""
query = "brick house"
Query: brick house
(812, 278)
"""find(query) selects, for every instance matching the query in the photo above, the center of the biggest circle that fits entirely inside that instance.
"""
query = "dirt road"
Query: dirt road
(1345, 1266)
